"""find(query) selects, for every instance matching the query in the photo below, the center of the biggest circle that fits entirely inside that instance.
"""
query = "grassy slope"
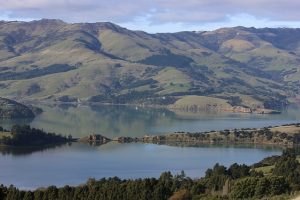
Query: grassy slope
(289, 129)
(201, 101)
(172, 80)
(286, 129)
(267, 170)
(96, 50)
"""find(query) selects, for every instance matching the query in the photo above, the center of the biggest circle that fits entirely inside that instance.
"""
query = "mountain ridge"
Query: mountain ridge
(54, 60)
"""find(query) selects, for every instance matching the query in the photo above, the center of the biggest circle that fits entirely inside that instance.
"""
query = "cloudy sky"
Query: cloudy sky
(160, 15)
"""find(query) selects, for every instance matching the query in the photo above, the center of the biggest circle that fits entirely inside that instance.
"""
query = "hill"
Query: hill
(13, 109)
(51, 60)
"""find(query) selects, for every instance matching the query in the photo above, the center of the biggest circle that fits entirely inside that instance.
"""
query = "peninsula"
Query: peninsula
(25, 136)
(284, 135)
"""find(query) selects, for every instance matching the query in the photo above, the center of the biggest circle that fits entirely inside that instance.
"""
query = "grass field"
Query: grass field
(201, 101)
(286, 129)
(266, 170)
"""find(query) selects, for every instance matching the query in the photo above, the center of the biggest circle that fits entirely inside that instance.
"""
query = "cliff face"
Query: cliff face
(13, 109)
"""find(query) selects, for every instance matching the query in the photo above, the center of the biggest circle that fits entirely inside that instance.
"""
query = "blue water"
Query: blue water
(73, 165)
(113, 121)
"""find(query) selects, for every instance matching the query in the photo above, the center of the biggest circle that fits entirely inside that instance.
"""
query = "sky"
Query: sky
(159, 15)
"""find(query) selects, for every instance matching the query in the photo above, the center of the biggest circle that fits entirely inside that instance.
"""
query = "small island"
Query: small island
(25, 136)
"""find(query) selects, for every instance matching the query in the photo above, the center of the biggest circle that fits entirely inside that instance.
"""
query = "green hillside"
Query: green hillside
(52, 60)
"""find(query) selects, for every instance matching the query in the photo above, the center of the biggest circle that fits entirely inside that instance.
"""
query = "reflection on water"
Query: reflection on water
(113, 121)
(8, 123)
(228, 145)
(110, 121)
(74, 164)
(22, 151)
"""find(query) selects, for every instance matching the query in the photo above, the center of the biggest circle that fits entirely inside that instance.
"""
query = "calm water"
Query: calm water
(113, 121)
(74, 164)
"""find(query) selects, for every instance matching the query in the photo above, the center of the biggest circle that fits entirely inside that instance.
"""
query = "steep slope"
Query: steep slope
(54, 60)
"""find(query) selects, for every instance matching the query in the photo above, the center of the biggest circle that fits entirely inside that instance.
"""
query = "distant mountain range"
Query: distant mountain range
(102, 62)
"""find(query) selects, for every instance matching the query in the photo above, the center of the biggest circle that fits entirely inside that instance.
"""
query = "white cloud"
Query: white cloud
(155, 12)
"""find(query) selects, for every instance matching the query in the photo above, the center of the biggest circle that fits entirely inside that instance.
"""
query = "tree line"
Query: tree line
(220, 182)
(24, 135)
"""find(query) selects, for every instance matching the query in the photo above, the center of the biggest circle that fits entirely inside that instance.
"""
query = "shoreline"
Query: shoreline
(170, 107)
(36, 146)
(286, 135)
